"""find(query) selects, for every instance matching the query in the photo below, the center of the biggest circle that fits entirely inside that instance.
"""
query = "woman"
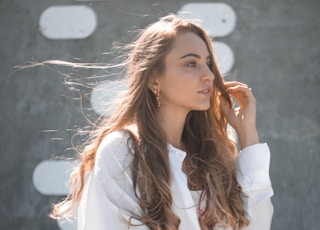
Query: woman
(163, 160)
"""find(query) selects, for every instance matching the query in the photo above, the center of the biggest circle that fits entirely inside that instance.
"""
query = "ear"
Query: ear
(154, 82)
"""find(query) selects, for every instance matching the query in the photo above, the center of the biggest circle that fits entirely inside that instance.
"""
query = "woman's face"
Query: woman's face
(187, 81)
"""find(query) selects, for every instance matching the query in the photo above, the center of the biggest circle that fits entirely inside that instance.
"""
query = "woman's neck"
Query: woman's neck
(172, 123)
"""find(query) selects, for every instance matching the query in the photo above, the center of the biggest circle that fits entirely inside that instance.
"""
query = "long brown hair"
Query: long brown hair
(210, 161)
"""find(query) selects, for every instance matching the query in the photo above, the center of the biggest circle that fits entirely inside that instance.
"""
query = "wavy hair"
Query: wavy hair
(210, 160)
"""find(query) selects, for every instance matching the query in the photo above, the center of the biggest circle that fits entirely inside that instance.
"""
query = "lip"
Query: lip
(206, 91)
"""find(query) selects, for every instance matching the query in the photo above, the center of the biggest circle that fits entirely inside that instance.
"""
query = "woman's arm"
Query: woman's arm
(253, 176)
(254, 158)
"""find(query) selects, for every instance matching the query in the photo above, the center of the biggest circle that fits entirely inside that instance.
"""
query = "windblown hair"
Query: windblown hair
(210, 160)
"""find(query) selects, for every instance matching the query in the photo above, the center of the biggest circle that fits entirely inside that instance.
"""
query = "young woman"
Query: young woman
(163, 160)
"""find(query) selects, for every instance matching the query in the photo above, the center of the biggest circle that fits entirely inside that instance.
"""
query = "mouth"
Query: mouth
(207, 91)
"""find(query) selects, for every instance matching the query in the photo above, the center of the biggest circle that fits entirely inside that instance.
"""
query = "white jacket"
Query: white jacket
(108, 192)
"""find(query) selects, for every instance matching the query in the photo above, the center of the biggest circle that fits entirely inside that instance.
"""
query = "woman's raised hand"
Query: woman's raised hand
(243, 118)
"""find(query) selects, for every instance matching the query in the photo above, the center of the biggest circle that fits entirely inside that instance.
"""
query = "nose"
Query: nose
(208, 76)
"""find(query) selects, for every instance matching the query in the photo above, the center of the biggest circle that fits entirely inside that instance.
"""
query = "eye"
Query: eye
(209, 64)
(191, 64)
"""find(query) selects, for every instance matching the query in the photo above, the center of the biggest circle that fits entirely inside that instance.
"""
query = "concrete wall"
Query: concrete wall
(277, 52)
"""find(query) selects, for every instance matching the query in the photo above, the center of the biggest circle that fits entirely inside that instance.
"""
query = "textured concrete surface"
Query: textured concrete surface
(277, 52)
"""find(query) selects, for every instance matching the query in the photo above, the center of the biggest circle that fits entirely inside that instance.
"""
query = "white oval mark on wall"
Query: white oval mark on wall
(224, 56)
(68, 22)
(70, 224)
(218, 19)
(50, 177)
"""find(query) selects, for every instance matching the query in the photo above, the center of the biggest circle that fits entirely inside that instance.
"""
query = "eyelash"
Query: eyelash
(193, 64)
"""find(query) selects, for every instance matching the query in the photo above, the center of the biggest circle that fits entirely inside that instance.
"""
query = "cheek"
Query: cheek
(179, 80)
(171, 84)
(180, 88)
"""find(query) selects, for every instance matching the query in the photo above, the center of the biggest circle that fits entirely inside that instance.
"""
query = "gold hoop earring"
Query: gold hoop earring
(157, 95)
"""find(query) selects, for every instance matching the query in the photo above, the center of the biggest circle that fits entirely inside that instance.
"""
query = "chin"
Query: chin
(202, 108)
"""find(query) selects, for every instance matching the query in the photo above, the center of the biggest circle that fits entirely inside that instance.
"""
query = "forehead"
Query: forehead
(188, 43)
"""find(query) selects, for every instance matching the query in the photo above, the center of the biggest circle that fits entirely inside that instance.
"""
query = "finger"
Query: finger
(228, 112)
(235, 88)
(239, 91)
(231, 85)
(234, 83)
(243, 97)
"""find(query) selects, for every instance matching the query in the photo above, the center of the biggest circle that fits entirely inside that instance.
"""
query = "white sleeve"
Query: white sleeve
(108, 195)
(253, 176)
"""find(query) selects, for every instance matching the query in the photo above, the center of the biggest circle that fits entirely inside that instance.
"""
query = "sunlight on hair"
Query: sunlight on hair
(106, 96)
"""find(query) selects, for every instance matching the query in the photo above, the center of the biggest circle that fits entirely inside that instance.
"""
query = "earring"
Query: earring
(157, 95)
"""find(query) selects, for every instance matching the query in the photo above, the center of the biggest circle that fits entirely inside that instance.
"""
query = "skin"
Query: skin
(243, 118)
(186, 84)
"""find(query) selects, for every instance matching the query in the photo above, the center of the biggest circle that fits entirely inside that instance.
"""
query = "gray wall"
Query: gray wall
(276, 47)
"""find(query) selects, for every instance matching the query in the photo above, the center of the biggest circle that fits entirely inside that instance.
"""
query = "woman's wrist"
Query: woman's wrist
(247, 137)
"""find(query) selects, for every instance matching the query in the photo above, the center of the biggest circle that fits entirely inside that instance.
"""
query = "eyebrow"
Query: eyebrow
(193, 55)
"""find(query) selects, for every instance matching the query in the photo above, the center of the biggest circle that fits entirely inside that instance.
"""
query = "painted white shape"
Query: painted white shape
(50, 177)
(224, 56)
(218, 19)
(68, 22)
(104, 96)
(67, 225)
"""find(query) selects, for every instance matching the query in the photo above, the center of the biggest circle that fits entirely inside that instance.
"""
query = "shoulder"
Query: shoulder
(113, 151)
(114, 142)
